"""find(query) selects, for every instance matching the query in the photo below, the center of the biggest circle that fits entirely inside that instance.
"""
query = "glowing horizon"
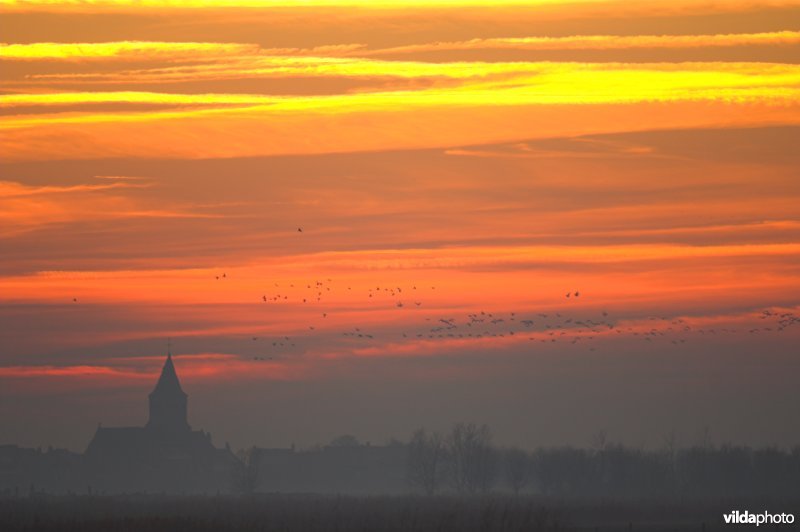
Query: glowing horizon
(336, 195)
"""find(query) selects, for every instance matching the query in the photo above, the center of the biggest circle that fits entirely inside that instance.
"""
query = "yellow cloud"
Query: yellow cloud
(279, 66)
(538, 104)
(493, 85)
(73, 98)
(138, 50)
(601, 42)
(122, 49)
(370, 4)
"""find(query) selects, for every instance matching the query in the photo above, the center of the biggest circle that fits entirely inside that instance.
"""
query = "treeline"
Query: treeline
(465, 461)
(462, 461)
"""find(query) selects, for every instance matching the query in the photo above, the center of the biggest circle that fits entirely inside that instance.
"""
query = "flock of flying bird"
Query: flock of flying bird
(585, 326)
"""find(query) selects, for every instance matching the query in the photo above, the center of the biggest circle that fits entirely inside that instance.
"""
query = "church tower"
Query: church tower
(168, 403)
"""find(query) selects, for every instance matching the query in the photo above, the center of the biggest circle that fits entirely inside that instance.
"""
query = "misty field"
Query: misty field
(310, 513)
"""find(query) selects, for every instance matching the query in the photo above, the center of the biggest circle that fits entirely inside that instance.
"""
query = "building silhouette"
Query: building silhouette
(165, 454)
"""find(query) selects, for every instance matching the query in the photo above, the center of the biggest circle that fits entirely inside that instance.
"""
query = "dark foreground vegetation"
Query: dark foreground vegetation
(316, 513)
(462, 462)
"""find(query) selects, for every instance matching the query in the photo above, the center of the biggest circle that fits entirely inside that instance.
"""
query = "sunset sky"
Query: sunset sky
(364, 217)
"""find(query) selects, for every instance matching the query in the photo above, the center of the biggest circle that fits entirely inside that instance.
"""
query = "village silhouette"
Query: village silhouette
(168, 456)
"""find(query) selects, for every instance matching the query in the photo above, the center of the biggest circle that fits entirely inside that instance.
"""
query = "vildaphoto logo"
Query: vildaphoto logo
(764, 518)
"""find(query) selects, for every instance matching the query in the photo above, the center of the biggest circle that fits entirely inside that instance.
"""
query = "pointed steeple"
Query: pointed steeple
(168, 382)
(168, 401)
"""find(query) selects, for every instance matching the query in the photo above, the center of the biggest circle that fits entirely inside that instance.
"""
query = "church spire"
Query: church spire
(168, 400)
(168, 382)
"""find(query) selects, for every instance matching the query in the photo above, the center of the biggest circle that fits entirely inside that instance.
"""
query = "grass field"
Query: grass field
(312, 513)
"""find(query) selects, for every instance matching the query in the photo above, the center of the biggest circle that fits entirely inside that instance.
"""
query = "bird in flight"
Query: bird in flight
(299, 229)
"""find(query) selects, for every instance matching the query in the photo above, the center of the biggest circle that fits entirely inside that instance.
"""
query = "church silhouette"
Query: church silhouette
(165, 454)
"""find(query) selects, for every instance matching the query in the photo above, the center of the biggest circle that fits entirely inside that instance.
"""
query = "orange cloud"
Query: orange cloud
(69, 371)
(376, 5)
(9, 189)
(380, 122)
(24, 208)
(192, 367)
(452, 270)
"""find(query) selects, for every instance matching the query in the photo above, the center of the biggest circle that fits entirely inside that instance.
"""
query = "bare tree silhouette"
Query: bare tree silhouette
(425, 460)
(471, 457)
(517, 469)
(246, 481)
